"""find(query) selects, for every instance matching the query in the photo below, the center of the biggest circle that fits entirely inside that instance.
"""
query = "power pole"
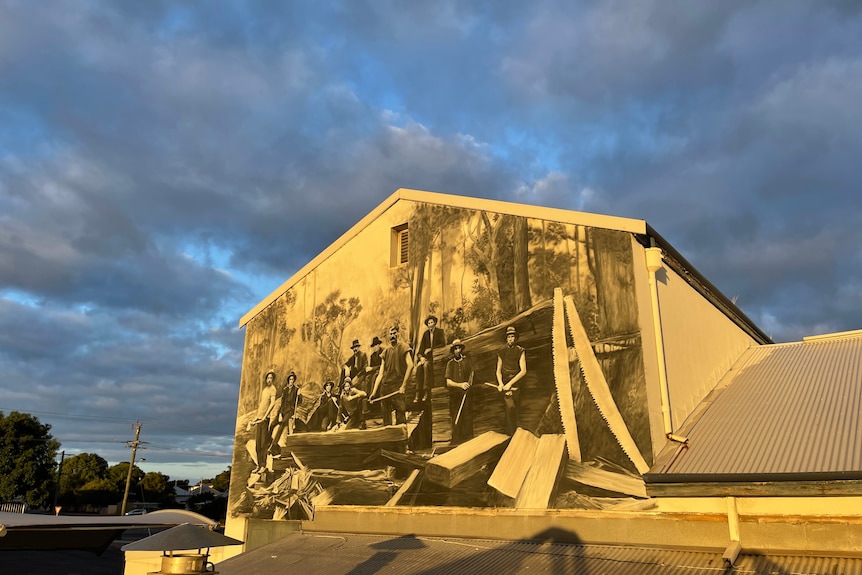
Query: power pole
(134, 445)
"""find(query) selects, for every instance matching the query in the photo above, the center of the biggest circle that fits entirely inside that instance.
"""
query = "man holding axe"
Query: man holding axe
(395, 369)
(459, 380)
(511, 368)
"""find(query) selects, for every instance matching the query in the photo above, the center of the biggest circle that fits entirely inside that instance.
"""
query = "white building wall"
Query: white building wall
(700, 343)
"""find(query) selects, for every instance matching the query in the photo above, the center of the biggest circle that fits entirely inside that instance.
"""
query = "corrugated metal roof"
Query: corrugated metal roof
(331, 554)
(789, 411)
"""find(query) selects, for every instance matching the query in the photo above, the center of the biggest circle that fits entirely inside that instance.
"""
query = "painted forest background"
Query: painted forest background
(501, 264)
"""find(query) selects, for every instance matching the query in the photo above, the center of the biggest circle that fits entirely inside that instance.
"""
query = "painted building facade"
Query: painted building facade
(622, 430)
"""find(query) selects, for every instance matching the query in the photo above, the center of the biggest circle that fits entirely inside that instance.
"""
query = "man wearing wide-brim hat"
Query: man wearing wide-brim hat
(374, 361)
(459, 380)
(355, 366)
(433, 338)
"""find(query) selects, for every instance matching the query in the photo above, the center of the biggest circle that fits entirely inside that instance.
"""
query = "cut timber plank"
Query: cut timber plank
(607, 480)
(538, 489)
(403, 459)
(458, 464)
(512, 469)
(408, 483)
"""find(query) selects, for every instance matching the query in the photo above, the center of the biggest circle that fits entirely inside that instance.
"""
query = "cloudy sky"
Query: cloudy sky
(166, 165)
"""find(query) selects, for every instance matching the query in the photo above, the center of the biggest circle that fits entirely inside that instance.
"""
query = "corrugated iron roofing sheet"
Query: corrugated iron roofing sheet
(783, 410)
(331, 554)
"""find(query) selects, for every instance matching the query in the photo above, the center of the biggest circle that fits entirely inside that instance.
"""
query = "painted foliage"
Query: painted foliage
(499, 366)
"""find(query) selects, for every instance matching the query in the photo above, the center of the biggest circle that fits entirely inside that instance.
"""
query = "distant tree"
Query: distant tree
(221, 482)
(27, 453)
(99, 492)
(79, 470)
(117, 475)
(156, 487)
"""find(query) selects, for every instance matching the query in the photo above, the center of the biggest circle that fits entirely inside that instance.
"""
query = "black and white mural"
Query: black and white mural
(500, 365)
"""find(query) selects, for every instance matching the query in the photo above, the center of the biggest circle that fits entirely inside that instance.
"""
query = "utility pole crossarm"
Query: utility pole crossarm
(134, 445)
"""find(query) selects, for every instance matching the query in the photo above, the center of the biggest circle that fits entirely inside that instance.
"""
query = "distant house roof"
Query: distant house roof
(783, 413)
(90, 532)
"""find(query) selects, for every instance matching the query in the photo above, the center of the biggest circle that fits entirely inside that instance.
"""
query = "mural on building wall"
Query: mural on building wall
(500, 366)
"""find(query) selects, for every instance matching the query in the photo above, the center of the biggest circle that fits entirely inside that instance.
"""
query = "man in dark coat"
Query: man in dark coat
(354, 368)
(433, 338)
(287, 407)
(459, 380)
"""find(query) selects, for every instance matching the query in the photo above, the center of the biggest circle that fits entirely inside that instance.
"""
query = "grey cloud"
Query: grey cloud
(148, 144)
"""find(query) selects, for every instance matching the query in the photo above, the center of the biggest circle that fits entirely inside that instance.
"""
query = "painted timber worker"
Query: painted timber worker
(354, 368)
(350, 411)
(459, 380)
(371, 371)
(511, 368)
(328, 410)
(261, 422)
(433, 338)
(286, 410)
(374, 361)
(391, 382)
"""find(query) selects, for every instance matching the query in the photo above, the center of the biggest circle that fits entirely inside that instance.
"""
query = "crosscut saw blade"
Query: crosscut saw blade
(563, 378)
(598, 387)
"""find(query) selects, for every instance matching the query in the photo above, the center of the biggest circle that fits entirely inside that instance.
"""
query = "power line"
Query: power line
(150, 423)
(190, 452)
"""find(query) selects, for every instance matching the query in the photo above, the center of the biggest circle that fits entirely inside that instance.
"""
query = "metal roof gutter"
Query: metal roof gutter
(806, 484)
(652, 478)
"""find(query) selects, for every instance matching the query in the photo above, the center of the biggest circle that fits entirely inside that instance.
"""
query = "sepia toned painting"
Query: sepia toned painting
(447, 357)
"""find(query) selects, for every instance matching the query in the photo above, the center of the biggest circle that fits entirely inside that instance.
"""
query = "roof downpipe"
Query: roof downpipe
(654, 264)
(735, 547)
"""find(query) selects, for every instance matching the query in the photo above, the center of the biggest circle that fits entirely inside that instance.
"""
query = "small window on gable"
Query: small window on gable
(400, 244)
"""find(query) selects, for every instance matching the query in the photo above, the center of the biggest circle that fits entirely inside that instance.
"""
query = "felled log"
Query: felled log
(459, 463)
(328, 477)
(607, 480)
(510, 472)
(346, 449)
(537, 492)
